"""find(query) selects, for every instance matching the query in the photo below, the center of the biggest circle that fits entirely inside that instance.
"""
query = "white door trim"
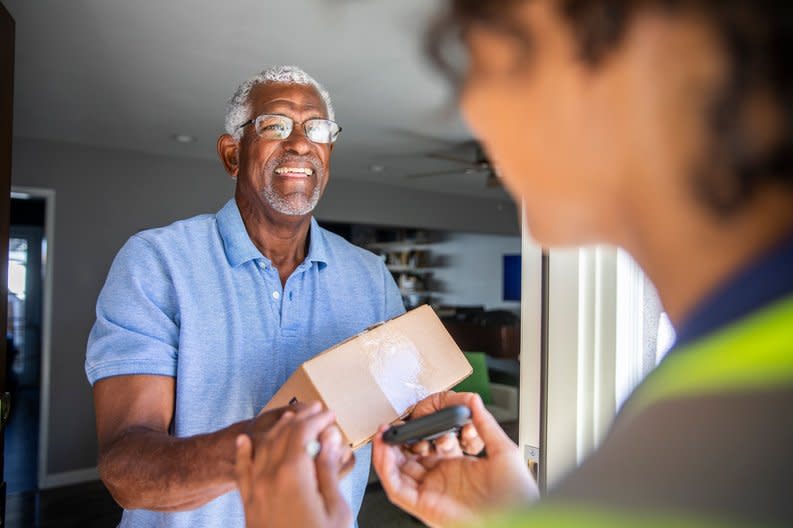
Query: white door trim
(48, 195)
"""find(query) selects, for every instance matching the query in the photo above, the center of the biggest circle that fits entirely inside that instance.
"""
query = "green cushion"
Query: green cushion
(479, 380)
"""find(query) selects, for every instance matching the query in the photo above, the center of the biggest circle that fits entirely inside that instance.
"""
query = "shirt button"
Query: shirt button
(262, 265)
(276, 295)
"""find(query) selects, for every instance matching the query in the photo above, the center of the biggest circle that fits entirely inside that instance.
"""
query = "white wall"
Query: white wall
(473, 269)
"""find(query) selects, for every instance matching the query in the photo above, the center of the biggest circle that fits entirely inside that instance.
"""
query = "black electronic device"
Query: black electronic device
(447, 420)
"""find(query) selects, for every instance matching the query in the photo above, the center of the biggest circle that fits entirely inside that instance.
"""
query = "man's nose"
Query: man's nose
(297, 142)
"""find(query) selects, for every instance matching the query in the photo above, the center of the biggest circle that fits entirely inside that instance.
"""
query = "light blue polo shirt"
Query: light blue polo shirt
(198, 301)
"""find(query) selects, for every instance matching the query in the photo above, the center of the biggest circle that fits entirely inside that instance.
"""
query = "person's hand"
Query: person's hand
(266, 419)
(282, 485)
(469, 442)
(444, 488)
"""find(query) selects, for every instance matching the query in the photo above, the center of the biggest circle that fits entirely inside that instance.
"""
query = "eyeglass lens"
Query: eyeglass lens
(277, 127)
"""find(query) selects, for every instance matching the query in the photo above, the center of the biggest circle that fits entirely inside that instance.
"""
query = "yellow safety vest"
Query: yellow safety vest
(753, 354)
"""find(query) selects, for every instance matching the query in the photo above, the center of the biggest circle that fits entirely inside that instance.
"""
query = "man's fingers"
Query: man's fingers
(243, 466)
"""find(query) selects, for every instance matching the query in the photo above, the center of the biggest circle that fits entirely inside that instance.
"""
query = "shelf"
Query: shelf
(409, 269)
(399, 246)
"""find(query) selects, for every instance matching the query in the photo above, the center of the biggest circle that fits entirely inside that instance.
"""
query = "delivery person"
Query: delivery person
(663, 127)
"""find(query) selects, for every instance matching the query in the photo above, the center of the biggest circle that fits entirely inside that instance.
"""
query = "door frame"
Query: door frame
(48, 195)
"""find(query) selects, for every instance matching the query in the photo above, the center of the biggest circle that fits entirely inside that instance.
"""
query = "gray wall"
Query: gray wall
(473, 269)
(103, 196)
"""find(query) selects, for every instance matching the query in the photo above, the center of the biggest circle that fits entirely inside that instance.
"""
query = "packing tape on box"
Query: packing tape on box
(397, 367)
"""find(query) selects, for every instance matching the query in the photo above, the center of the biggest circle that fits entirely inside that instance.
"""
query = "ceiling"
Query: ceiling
(132, 74)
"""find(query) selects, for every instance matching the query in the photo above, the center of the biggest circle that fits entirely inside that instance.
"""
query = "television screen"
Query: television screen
(511, 277)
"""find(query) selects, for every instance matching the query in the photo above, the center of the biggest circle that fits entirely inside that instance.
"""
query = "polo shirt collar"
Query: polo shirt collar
(240, 248)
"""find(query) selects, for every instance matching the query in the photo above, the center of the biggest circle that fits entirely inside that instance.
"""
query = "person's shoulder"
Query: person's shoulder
(181, 232)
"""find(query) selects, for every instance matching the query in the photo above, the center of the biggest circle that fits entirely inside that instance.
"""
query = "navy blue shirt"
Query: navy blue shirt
(197, 301)
(769, 278)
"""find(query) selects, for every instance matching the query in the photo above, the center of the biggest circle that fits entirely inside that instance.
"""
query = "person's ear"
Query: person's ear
(229, 153)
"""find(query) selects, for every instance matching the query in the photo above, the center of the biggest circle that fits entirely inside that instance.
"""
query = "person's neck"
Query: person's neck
(688, 256)
(283, 239)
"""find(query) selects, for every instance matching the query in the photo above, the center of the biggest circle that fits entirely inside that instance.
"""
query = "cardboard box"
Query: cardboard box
(377, 376)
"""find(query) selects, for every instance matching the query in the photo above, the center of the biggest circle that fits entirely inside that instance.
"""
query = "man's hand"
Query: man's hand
(447, 486)
(143, 465)
(279, 481)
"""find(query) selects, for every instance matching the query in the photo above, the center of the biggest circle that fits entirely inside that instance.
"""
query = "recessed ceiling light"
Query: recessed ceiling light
(376, 168)
(183, 138)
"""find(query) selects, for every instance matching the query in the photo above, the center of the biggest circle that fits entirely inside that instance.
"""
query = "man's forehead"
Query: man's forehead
(296, 96)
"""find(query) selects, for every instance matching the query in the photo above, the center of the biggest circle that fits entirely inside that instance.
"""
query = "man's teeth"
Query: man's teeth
(287, 170)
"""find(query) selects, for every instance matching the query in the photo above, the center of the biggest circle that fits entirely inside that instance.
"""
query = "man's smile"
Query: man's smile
(294, 172)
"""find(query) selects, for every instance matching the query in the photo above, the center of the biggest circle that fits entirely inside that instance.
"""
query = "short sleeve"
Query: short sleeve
(393, 298)
(136, 329)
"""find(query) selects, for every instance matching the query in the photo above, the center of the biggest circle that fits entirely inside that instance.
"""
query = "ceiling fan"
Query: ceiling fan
(476, 162)
(469, 155)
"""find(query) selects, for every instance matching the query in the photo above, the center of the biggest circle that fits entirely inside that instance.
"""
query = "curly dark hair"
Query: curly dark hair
(757, 37)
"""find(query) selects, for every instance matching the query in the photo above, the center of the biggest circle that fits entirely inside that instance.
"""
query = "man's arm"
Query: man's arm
(142, 465)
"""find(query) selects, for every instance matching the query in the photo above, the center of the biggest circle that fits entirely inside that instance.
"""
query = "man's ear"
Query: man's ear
(229, 153)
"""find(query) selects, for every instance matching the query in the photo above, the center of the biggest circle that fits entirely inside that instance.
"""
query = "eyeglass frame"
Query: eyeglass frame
(302, 124)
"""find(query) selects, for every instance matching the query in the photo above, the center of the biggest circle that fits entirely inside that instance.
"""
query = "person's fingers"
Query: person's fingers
(243, 466)
(328, 467)
(493, 436)
(429, 462)
(400, 488)
(440, 400)
(422, 448)
(413, 469)
(377, 454)
(263, 421)
(448, 446)
(347, 461)
(267, 448)
(305, 430)
(308, 409)
(470, 440)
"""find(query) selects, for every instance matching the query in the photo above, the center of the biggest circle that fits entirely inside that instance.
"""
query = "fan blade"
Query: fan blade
(441, 173)
(493, 180)
(448, 143)
(455, 159)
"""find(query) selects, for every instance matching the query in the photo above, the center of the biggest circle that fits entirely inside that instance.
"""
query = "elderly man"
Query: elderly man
(200, 322)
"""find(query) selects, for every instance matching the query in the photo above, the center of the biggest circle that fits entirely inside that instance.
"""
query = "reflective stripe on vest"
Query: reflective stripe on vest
(754, 353)
(582, 516)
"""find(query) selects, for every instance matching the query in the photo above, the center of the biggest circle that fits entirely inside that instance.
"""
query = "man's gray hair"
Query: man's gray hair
(238, 108)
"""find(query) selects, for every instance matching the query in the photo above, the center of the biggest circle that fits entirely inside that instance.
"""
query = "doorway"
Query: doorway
(27, 276)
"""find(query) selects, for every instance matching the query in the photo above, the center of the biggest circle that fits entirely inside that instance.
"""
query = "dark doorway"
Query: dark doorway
(26, 258)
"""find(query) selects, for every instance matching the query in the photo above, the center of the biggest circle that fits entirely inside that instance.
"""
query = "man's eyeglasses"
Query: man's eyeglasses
(279, 127)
